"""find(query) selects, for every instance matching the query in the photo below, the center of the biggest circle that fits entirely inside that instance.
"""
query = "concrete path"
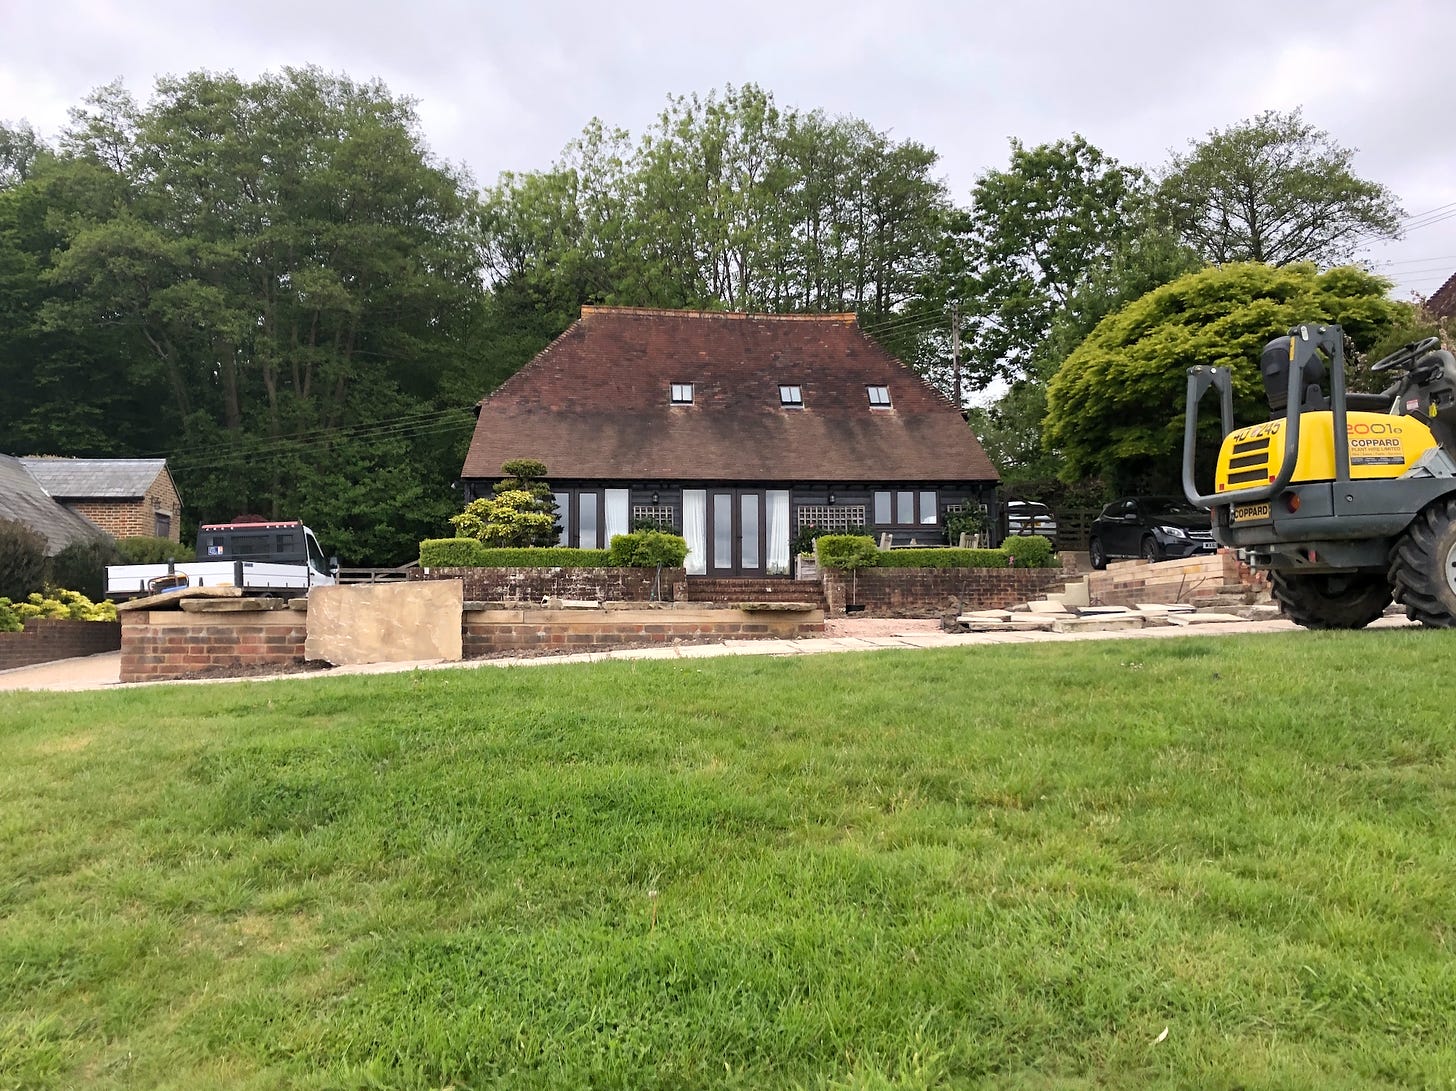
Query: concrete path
(102, 671)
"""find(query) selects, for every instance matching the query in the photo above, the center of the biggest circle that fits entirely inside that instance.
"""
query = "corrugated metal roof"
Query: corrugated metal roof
(23, 500)
(95, 478)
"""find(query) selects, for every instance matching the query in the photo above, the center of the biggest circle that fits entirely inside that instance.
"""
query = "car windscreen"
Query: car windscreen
(1163, 509)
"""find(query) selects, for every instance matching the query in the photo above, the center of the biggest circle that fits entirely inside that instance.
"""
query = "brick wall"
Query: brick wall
(929, 592)
(534, 584)
(751, 590)
(133, 518)
(494, 631)
(1124, 583)
(47, 639)
(160, 644)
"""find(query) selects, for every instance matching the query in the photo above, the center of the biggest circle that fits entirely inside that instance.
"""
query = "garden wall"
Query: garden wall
(534, 585)
(47, 639)
(494, 630)
(929, 592)
(169, 644)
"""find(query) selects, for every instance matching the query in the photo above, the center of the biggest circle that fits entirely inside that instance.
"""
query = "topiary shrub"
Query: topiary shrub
(144, 549)
(647, 549)
(82, 566)
(846, 552)
(22, 560)
(1030, 551)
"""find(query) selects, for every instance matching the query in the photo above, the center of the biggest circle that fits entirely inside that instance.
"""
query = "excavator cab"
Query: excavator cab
(1347, 500)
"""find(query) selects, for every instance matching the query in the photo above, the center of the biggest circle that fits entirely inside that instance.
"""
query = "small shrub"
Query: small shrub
(10, 621)
(806, 537)
(943, 558)
(60, 603)
(22, 560)
(967, 520)
(144, 549)
(1030, 551)
(846, 552)
(647, 549)
(82, 566)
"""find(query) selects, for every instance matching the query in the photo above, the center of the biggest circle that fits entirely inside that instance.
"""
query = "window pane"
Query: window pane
(682, 393)
(563, 517)
(791, 395)
(904, 507)
(722, 530)
(927, 507)
(882, 508)
(586, 518)
(879, 395)
(748, 531)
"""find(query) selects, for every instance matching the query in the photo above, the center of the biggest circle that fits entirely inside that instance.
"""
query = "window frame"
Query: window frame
(794, 400)
(675, 393)
(872, 389)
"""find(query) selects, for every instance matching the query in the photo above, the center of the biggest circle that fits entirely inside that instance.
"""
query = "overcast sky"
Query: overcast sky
(504, 86)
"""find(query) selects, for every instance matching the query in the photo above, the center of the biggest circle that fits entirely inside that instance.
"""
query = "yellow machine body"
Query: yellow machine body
(1380, 446)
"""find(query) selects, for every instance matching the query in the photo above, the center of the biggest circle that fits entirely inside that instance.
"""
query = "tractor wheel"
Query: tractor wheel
(1097, 554)
(1423, 566)
(1349, 600)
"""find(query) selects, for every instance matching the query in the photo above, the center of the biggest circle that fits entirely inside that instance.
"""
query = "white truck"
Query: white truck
(261, 558)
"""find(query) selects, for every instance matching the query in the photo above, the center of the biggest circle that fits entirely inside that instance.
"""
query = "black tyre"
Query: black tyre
(1423, 566)
(1152, 551)
(1350, 600)
(1097, 554)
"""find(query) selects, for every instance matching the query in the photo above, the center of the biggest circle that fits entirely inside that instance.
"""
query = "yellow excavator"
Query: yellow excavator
(1347, 500)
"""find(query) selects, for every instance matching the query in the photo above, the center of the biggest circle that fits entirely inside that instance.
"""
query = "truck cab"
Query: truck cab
(282, 542)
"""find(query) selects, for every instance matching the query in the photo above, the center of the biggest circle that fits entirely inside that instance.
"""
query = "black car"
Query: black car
(1154, 527)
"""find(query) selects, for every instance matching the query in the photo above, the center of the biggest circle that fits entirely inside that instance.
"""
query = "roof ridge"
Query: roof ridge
(669, 312)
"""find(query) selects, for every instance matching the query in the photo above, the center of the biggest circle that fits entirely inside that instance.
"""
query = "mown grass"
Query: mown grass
(1005, 867)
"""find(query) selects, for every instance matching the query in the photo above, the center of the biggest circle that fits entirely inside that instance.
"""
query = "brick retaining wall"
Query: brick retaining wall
(495, 630)
(48, 639)
(928, 592)
(165, 644)
(535, 584)
(1125, 583)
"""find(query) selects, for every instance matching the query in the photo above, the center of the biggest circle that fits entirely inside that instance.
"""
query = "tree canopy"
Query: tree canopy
(1115, 409)
(1274, 189)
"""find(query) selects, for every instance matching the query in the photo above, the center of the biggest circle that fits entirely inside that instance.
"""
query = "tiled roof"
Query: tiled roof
(594, 404)
(96, 478)
(24, 501)
(1442, 303)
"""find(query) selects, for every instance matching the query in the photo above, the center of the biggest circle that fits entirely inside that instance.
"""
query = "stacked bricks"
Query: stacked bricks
(1194, 580)
(493, 631)
(533, 585)
(163, 644)
(47, 639)
(929, 592)
(753, 590)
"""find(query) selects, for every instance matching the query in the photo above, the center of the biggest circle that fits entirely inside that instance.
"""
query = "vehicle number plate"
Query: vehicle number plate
(1248, 513)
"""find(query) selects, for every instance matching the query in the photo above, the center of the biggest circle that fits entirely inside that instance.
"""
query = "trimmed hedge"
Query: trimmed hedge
(846, 551)
(942, 558)
(470, 553)
(1030, 551)
(648, 549)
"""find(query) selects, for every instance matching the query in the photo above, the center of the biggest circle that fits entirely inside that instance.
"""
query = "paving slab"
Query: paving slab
(1204, 617)
(1097, 624)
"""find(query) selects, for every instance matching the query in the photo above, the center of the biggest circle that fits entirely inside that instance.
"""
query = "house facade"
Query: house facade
(736, 430)
(126, 497)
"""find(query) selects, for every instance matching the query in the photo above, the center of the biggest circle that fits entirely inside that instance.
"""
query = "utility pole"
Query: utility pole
(955, 353)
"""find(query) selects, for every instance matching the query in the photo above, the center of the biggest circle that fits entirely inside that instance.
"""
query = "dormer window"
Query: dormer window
(879, 396)
(791, 396)
(682, 393)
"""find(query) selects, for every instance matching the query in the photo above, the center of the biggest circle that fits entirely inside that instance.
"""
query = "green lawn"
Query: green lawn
(1005, 867)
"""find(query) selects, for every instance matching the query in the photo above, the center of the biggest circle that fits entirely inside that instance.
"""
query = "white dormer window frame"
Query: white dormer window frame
(879, 397)
(791, 395)
(680, 393)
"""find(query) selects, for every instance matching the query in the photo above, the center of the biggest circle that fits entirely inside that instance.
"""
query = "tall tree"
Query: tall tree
(294, 262)
(1274, 189)
(1036, 231)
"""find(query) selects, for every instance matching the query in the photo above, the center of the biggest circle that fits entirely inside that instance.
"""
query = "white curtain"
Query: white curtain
(695, 530)
(616, 516)
(778, 531)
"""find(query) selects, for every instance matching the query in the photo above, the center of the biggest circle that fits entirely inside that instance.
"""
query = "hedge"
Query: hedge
(470, 553)
(648, 549)
(942, 558)
(1030, 551)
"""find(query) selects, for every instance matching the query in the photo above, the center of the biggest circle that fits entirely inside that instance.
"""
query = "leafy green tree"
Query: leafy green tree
(1115, 409)
(1035, 233)
(1274, 189)
(523, 512)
